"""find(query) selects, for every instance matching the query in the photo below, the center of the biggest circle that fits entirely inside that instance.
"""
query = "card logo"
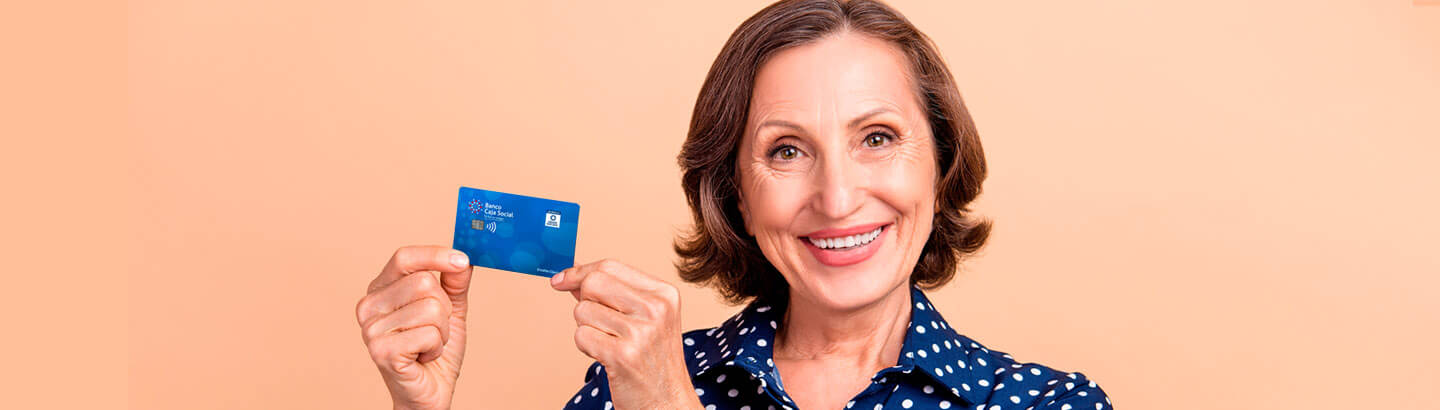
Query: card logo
(552, 219)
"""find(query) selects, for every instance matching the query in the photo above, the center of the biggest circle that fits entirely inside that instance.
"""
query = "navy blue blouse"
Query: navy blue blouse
(731, 367)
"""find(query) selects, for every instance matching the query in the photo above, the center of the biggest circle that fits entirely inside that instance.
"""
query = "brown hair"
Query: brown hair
(715, 252)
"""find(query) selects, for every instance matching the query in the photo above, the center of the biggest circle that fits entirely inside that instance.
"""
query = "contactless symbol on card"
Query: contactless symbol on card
(515, 232)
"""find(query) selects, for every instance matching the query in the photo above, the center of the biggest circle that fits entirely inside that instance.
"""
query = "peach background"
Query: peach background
(1202, 205)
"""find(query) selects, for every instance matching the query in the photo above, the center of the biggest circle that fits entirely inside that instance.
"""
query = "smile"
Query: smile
(846, 241)
(846, 246)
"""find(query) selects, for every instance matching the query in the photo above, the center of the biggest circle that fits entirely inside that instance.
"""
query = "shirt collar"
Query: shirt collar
(931, 347)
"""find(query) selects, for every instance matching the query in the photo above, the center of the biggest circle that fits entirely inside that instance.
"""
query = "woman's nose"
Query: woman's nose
(838, 187)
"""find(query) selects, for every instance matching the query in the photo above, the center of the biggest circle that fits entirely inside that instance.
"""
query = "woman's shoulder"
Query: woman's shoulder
(985, 375)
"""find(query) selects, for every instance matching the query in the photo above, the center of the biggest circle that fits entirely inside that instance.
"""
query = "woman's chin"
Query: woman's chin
(844, 292)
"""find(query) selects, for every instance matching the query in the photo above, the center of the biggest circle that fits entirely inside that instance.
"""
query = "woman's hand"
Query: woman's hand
(630, 323)
(413, 322)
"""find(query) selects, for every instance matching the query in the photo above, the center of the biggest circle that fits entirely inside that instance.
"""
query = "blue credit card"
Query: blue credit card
(518, 233)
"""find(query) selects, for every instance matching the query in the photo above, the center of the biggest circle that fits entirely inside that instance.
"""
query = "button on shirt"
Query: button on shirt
(732, 367)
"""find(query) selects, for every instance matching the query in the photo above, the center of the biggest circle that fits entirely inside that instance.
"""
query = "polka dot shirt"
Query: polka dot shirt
(732, 367)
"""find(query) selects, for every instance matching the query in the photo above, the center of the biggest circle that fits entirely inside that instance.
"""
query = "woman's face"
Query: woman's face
(837, 170)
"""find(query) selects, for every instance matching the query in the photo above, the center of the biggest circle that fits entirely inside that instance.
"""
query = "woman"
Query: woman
(829, 167)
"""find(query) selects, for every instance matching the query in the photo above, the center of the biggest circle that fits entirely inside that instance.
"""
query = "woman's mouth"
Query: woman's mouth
(848, 246)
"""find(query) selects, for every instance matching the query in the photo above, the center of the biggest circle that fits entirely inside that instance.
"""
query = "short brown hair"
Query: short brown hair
(715, 252)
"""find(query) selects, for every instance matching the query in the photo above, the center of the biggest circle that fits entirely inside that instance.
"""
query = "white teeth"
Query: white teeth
(846, 241)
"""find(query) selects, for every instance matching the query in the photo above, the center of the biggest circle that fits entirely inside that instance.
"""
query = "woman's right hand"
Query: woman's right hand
(413, 323)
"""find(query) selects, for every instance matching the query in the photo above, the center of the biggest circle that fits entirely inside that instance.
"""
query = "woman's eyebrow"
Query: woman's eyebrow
(855, 123)
(780, 123)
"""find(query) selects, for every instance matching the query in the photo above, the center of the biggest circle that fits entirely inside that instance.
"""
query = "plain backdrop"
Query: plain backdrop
(1201, 205)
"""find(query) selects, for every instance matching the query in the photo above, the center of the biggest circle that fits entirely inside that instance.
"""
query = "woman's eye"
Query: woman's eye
(877, 139)
(785, 153)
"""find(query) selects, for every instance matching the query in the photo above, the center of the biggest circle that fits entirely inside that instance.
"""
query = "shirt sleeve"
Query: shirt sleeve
(1078, 393)
(595, 394)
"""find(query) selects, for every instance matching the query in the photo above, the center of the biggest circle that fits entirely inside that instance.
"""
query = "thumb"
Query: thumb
(456, 281)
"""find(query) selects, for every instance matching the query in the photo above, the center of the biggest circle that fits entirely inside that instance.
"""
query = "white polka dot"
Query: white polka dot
(920, 329)
(944, 404)
(850, 404)
(1035, 371)
(981, 361)
(1069, 385)
(939, 372)
(594, 392)
(1099, 406)
(965, 386)
(1017, 377)
(1065, 407)
(744, 407)
(984, 383)
(949, 369)
(928, 389)
(699, 391)
(689, 342)
(919, 305)
(933, 325)
(608, 406)
(720, 379)
(1082, 393)
(921, 352)
(710, 407)
(907, 403)
(994, 407)
(1015, 399)
(762, 309)
(1034, 392)
(732, 393)
(935, 347)
(760, 342)
(879, 406)
(577, 399)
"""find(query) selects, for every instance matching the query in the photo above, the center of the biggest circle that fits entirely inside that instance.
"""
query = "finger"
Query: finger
(398, 353)
(411, 259)
(602, 318)
(424, 312)
(570, 278)
(399, 293)
(603, 286)
(595, 343)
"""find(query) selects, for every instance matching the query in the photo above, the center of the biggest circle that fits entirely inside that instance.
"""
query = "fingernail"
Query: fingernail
(555, 280)
(459, 260)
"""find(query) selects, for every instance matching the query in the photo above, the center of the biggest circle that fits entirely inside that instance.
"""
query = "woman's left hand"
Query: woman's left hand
(630, 323)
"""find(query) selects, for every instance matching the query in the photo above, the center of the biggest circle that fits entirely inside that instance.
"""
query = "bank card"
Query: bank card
(525, 234)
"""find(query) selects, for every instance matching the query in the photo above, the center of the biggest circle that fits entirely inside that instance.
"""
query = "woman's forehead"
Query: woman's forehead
(840, 76)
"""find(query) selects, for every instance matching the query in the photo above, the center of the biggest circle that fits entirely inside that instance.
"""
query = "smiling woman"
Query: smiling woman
(829, 168)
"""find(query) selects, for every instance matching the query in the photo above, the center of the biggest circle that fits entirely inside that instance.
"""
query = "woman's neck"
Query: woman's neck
(868, 337)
